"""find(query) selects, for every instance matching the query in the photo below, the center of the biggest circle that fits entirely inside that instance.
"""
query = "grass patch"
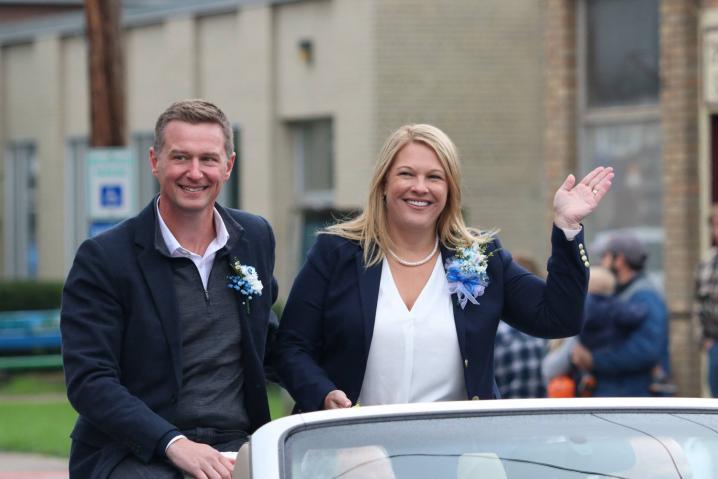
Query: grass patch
(43, 425)
(280, 404)
(40, 427)
(33, 383)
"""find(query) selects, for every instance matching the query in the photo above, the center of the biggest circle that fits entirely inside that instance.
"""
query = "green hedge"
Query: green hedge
(19, 295)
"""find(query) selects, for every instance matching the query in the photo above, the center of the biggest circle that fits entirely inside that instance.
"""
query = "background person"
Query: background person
(402, 303)
(518, 356)
(629, 369)
(705, 304)
(609, 321)
(163, 361)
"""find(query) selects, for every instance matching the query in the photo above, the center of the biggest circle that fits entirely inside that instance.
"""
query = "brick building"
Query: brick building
(628, 84)
(529, 91)
(313, 88)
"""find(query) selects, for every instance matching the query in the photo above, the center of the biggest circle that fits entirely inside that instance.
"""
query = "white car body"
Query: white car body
(267, 454)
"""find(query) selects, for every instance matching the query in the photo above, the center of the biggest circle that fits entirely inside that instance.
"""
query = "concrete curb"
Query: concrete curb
(32, 466)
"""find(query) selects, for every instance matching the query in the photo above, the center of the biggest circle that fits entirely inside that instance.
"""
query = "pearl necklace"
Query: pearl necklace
(416, 263)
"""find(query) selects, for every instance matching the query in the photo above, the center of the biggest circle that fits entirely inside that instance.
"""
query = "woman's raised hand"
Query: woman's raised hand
(574, 201)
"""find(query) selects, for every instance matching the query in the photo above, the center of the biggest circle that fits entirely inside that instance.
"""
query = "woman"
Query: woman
(401, 304)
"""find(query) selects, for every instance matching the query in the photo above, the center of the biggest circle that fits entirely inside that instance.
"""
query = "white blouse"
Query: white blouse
(414, 355)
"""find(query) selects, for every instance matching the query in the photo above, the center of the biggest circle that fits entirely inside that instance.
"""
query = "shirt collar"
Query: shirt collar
(175, 248)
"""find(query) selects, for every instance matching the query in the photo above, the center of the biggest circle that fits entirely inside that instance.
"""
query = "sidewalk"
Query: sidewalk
(31, 466)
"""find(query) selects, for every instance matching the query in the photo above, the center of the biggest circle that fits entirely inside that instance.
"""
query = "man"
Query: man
(164, 361)
(518, 356)
(705, 305)
(517, 363)
(629, 369)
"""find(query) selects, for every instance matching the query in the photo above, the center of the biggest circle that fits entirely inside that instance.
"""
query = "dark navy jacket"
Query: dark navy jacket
(121, 341)
(609, 321)
(326, 328)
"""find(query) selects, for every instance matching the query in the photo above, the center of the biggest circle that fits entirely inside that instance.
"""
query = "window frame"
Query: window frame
(589, 117)
(16, 206)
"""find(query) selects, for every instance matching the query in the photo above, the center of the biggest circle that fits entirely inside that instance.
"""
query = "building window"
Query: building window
(21, 248)
(621, 52)
(313, 149)
(148, 187)
(620, 118)
(314, 158)
(229, 196)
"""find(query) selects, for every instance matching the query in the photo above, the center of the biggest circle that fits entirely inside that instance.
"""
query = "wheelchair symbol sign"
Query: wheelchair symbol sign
(111, 196)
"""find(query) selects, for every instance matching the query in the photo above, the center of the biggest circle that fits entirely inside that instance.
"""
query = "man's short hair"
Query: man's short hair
(630, 247)
(193, 111)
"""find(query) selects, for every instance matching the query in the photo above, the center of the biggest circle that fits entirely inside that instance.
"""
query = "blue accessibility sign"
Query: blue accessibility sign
(111, 196)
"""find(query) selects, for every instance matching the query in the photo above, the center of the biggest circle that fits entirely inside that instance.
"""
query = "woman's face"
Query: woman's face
(416, 189)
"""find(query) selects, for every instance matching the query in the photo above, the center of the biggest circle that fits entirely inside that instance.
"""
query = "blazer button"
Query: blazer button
(580, 246)
(586, 264)
(584, 258)
(466, 363)
(475, 398)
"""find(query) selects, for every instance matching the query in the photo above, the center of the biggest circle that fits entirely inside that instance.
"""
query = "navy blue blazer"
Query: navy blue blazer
(121, 340)
(326, 328)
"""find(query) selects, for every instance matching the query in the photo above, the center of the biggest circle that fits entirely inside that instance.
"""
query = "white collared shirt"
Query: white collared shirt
(414, 355)
(204, 262)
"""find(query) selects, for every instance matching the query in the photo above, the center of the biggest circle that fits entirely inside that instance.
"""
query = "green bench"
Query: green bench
(30, 340)
(19, 363)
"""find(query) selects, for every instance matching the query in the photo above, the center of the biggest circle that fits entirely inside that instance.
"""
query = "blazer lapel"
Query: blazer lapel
(157, 272)
(369, 280)
(238, 248)
(460, 315)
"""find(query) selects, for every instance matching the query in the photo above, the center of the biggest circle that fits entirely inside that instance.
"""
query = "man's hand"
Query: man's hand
(582, 357)
(199, 460)
(336, 399)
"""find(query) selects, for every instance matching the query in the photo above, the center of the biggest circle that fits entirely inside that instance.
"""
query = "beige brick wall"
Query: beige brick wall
(50, 192)
(474, 70)
(75, 87)
(679, 125)
(679, 76)
(560, 133)
(3, 120)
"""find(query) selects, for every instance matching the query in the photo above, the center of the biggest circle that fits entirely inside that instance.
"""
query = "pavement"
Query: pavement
(32, 466)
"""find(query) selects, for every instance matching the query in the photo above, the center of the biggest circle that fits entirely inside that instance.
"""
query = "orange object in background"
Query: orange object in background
(561, 387)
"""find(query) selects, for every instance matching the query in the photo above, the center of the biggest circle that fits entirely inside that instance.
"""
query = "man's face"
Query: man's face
(608, 262)
(191, 167)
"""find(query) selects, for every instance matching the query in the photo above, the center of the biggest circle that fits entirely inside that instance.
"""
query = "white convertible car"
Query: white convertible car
(651, 438)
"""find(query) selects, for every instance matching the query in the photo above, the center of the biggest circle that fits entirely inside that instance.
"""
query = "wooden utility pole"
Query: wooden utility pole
(107, 93)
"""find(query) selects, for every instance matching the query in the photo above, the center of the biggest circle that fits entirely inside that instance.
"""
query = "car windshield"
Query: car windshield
(521, 446)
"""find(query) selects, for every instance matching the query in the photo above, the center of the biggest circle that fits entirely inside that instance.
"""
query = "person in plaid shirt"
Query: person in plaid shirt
(705, 304)
(517, 363)
(518, 356)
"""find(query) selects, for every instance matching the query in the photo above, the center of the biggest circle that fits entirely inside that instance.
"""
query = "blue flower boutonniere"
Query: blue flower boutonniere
(466, 273)
(245, 280)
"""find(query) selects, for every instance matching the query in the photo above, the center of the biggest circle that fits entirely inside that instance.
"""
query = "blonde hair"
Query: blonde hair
(370, 230)
(601, 281)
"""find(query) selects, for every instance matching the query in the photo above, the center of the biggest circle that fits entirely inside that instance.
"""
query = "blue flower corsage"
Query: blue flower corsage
(245, 281)
(466, 273)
